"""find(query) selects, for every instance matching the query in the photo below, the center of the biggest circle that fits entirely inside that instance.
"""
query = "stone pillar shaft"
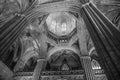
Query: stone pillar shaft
(38, 69)
(86, 62)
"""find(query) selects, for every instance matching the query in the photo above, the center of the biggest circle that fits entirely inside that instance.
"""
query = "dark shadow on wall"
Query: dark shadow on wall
(30, 65)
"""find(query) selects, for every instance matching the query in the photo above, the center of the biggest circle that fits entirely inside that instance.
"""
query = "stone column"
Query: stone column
(86, 62)
(38, 69)
(83, 37)
(42, 58)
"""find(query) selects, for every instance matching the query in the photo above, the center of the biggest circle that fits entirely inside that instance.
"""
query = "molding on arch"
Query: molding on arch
(59, 48)
(91, 50)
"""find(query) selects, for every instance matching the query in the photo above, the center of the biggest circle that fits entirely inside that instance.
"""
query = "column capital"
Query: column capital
(18, 14)
(84, 1)
(41, 60)
(85, 4)
(85, 57)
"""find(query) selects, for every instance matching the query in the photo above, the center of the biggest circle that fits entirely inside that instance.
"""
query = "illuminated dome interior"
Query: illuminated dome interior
(60, 23)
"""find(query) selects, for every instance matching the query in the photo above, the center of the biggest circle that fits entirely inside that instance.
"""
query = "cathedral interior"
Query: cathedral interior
(59, 39)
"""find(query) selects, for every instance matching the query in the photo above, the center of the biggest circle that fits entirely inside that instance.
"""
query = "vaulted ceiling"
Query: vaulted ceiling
(9, 8)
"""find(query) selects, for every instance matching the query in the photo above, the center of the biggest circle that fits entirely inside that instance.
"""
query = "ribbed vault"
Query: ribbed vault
(103, 32)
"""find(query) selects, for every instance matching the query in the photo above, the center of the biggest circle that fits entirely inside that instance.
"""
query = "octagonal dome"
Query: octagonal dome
(60, 23)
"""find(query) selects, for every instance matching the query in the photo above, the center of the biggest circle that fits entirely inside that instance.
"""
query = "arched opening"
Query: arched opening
(64, 60)
(95, 65)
